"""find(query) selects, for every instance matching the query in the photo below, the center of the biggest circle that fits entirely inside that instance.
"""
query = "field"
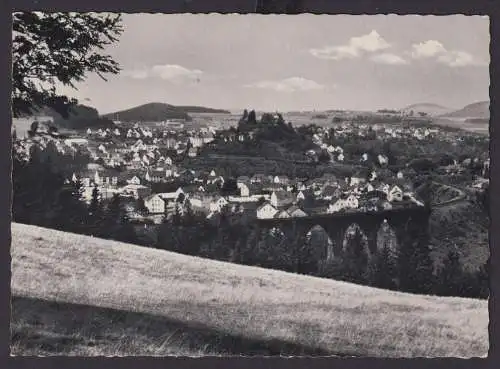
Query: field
(85, 296)
(479, 128)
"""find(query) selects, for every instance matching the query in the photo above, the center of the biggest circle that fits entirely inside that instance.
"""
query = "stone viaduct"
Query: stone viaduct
(410, 225)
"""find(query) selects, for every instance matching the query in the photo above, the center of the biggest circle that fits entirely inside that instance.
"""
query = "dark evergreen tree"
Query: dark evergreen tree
(252, 118)
(95, 214)
(382, 269)
(140, 207)
(450, 275)
(71, 210)
(414, 263)
(355, 258)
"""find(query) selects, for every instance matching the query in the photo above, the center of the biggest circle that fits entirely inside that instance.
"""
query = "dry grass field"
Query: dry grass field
(85, 296)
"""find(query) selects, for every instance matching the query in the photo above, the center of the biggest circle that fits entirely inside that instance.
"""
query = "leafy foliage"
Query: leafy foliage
(58, 48)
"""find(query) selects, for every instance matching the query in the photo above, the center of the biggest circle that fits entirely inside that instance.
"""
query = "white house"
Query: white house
(134, 180)
(384, 187)
(217, 205)
(336, 206)
(136, 190)
(168, 161)
(155, 204)
(382, 159)
(266, 211)
(244, 190)
(395, 194)
(352, 202)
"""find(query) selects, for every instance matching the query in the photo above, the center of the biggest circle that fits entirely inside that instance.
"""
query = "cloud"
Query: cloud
(169, 72)
(370, 42)
(388, 58)
(427, 49)
(460, 59)
(453, 58)
(291, 84)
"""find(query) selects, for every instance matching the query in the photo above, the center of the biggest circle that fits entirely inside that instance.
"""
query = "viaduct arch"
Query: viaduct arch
(410, 225)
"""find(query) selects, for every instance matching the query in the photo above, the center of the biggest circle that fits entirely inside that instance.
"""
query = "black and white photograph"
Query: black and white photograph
(250, 185)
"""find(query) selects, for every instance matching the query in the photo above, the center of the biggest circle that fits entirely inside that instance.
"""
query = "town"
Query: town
(134, 161)
(222, 184)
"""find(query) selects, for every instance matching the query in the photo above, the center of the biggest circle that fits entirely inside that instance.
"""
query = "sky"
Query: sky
(294, 62)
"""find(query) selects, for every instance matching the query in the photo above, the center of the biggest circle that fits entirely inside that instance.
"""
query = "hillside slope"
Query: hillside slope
(255, 303)
(152, 112)
(476, 110)
(427, 108)
(202, 109)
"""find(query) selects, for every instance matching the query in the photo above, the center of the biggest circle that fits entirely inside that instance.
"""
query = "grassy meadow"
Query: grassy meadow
(78, 295)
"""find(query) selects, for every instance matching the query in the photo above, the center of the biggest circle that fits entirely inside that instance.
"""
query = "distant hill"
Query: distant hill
(427, 108)
(152, 112)
(80, 117)
(479, 109)
(202, 109)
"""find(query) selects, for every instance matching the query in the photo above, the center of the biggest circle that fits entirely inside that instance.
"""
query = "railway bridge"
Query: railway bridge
(410, 225)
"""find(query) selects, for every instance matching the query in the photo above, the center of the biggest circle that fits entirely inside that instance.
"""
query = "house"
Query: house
(384, 187)
(173, 196)
(295, 211)
(171, 171)
(375, 194)
(218, 204)
(328, 192)
(196, 141)
(300, 196)
(201, 201)
(243, 179)
(352, 202)
(370, 206)
(266, 211)
(155, 204)
(258, 178)
(356, 180)
(281, 198)
(282, 214)
(192, 152)
(395, 194)
(244, 190)
(136, 190)
(336, 206)
(168, 160)
(280, 180)
(383, 159)
(134, 180)
(368, 187)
